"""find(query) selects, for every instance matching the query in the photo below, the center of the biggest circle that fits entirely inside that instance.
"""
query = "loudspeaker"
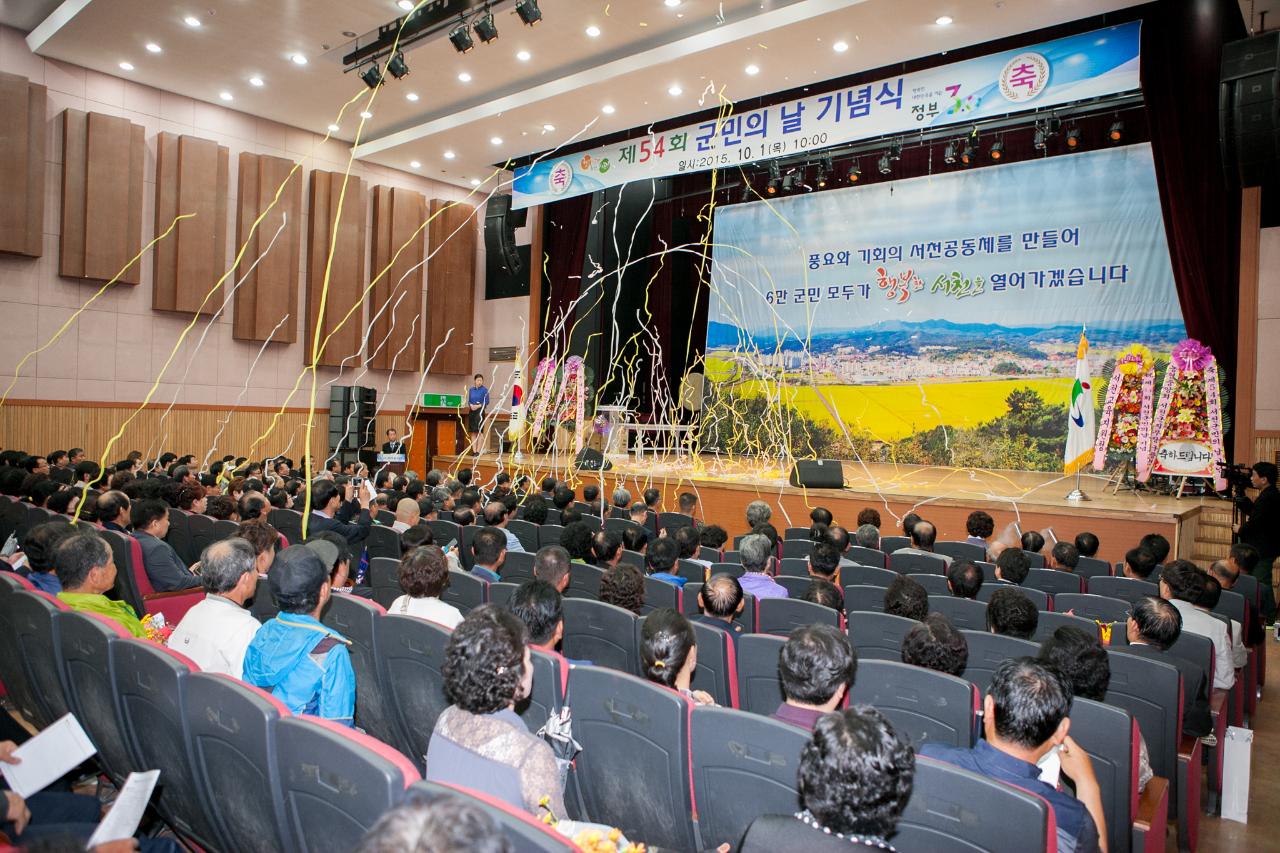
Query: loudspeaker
(818, 474)
(352, 412)
(500, 224)
(1249, 109)
(591, 460)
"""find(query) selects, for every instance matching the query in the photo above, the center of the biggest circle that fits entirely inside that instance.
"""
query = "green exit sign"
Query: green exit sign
(451, 401)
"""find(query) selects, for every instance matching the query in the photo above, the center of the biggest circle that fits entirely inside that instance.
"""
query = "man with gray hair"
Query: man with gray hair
(621, 499)
(442, 498)
(757, 555)
(867, 536)
(217, 631)
(758, 513)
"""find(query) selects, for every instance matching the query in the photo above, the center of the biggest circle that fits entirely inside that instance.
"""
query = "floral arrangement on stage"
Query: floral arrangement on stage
(1190, 406)
(559, 398)
(1125, 425)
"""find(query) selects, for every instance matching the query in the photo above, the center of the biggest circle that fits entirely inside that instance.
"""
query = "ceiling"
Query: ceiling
(651, 61)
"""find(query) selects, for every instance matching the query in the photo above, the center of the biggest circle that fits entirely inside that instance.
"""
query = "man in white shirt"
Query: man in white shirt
(217, 631)
(495, 515)
(407, 514)
(923, 535)
(1182, 584)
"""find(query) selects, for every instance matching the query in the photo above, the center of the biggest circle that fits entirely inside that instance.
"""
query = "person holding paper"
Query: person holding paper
(87, 571)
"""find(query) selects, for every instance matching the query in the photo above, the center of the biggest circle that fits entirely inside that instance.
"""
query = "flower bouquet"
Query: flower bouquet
(1124, 428)
(157, 629)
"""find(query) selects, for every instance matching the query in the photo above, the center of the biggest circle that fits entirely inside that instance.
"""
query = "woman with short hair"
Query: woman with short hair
(424, 574)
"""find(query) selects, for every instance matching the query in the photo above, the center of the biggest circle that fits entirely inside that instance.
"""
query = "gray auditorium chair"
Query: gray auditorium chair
(632, 558)
(1089, 606)
(797, 567)
(358, 620)
(85, 641)
(759, 690)
(411, 654)
(905, 564)
(584, 581)
(517, 567)
(878, 636)
(783, 615)
(717, 670)
(923, 705)
(1050, 621)
(1091, 567)
(868, 575)
(794, 533)
(526, 532)
(961, 550)
(934, 584)
(1038, 597)
(550, 681)
(32, 671)
(202, 533)
(796, 548)
(889, 544)
(867, 556)
(961, 612)
(443, 532)
(384, 579)
(1054, 581)
(523, 831)
(1127, 589)
(863, 598)
(500, 593)
(601, 633)
(659, 594)
(988, 651)
(383, 542)
(795, 586)
(465, 591)
(737, 570)
(549, 534)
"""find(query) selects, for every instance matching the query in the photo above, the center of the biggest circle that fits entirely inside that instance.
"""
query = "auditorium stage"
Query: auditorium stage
(945, 496)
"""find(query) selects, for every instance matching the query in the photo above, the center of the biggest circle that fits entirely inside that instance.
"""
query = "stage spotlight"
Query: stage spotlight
(1041, 138)
(371, 76)
(461, 39)
(884, 164)
(966, 154)
(1053, 126)
(775, 175)
(895, 150)
(396, 66)
(529, 12)
(1073, 137)
(855, 172)
(997, 149)
(772, 187)
(746, 190)
(485, 29)
(1116, 133)
(949, 153)
(788, 182)
(824, 169)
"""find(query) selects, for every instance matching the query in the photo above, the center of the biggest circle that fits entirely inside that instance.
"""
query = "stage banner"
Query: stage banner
(1101, 62)
(936, 320)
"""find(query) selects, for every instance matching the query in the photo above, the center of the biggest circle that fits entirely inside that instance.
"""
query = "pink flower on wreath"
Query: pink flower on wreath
(1191, 355)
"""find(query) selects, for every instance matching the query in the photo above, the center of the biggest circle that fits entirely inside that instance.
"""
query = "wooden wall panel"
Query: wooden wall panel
(395, 301)
(346, 276)
(269, 291)
(191, 177)
(22, 165)
(102, 183)
(451, 286)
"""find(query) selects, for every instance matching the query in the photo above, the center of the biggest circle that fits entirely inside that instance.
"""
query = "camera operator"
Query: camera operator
(1261, 529)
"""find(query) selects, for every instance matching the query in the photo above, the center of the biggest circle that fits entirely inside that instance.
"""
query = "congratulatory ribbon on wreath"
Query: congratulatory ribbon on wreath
(1080, 428)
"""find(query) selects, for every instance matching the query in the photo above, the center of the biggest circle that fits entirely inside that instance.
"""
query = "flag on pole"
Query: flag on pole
(1080, 427)
(516, 425)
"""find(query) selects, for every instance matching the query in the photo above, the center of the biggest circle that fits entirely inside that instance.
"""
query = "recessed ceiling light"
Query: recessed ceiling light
(126, 66)
(674, 90)
(226, 96)
(524, 56)
(607, 109)
(944, 21)
(333, 128)
(256, 81)
(475, 182)
(411, 96)
(496, 140)
(840, 46)
(366, 115)
(298, 59)
(593, 31)
(548, 127)
(152, 47)
(752, 70)
(414, 164)
(464, 77)
(672, 3)
(449, 155)
(407, 5)
(191, 21)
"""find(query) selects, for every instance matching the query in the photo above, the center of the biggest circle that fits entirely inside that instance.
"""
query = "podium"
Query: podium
(393, 462)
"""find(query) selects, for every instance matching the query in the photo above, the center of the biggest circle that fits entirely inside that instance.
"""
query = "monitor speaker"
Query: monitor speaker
(818, 474)
(500, 224)
(589, 459)
(1249, 109)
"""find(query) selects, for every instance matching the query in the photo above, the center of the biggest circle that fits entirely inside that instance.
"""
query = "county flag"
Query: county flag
(1080, 428)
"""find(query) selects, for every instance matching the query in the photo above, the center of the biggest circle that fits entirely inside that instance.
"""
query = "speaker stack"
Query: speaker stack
(1249, 109)
(352, 411)
(500, 224)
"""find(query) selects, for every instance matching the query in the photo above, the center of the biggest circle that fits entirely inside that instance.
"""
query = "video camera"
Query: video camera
(1238, 477)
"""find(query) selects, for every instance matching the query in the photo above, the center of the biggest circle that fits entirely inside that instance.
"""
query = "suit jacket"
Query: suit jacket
(1262, 529)
(164, 567)
(393, 447)
(355, 531)
(1196, 718)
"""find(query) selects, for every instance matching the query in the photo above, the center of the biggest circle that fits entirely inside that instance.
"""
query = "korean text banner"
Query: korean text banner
(939, 316)
(1087, 65)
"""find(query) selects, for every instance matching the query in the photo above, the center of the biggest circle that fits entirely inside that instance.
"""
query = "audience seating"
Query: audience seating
(633, 771)
(878, 636)
(905, 564)
(1091, 567)
(359, 621)
(526, 532)
(443, 532)
(334, 808)
(862, 598)
(288, 522)
(620, 525)
(632, 558)
(28, 630)
(86, 640)
(744, 766)
(517, 566)
(200, 528)
(410, 656)
(924, 705)
(1050, 622)
(797, 548)
(500, 593)
(549, 534)
(1038, 597)
(659, 594)
(553, 517)
(793, 533)
(711, 555)
(523, 831)
(747, 618)
(795, 587)
(600, 633)
(1126, 589)
(1090, 606)
(961, 612)
(988, 571)
(383, 542)
(384, 579)
(672, 520)
(1054, 581)
(384, 518)
(988, 651)
(135, 586)
(717, 670)
(1036, 558)
(867, 556)
(795, 567)
(783, 615)
(1198, 649)
(889, 544)
(465, 591)
(731, 556)
(584, 581)
(224, 529)
(868, 575)
(933, 584)
(732, 569)
(961, 550)
(179, 536)
(759, 690)
(692, 572)
(550, 682)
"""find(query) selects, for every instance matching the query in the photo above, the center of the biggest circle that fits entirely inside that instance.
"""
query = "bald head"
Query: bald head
(408, 512)
(923, 535)
(722, 596)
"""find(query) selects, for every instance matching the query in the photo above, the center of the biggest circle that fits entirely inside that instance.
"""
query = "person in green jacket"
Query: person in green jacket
(87, 570)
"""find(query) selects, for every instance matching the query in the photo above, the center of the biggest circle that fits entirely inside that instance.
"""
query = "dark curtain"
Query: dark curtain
(564, 246)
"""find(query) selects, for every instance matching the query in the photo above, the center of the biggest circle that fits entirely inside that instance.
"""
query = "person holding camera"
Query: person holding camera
(1261, 529)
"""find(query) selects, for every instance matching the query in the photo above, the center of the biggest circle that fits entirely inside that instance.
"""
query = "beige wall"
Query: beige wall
(116, 349)
(1267, 410)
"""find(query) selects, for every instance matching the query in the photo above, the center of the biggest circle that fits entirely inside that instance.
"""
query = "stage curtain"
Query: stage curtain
(564, 243)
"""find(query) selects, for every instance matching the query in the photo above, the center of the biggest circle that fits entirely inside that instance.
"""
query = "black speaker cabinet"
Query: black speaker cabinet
(591, 460)
(1249, 109)
(818, 474)
(500, 234)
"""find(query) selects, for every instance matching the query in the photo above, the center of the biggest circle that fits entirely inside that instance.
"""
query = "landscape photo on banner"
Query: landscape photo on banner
(935, 320)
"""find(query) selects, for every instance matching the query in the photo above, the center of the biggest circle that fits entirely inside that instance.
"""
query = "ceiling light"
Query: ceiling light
(152, 47)
(191, 21)
(333, 128)
(524, 56)
(895, 150)
(411, 96)
(256, 81)
(449, 155)
(966, 153)
(414, 164)
(496, 140)
(608, 109)
(746, 190)
(775, 172)
(673, 3)
(997, 149)
(675, 90)
(475, 182)
(548, 127)
(371, 76)
(1073, 137)
(788, 182)
(1040, 138)
(593, 31)
(840, 46)
(529, 12)
(944, 21)
(1116, 133)
(226, 96)
(407, 5)
(396, 66)
(753, 70)
(464, 77)
(460, 38)
(126, 66)
(949, 153)
(298, 59)
(366, 115)
(884, 164)
(485, 29)
(824, 169)
(855, 172)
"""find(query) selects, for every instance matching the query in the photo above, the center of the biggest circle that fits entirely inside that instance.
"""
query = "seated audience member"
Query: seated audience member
(407, 514)
(621, 502)
(488, 550)
(164, 567)
(571, 515)
(1087, 544)
(220, 508)
(424, 575)
(435, 823)
(979, 525)
(606, 548)
(1032, 542)
(464, 517)
(562, 497)
(669, 653)
(636, 540)
(622, 585)
(1208, 600)
(479, 741)
(855, 778)
(336, 553)
(936, 644)
(964, 579)
(1011, 614)
(768, 531)
(1241, 560)
(264, 539)
(40, 490)
(1154, 625)
(551, 564)
(688, 502)
(576, 539)
(1012, 566)
(689, 540)
(66, 502)
(660, 560)
(824, 562)
(652, 500)
(443, 500)
(87, 571)
(304, 664)
(1063, 556)
(1182, 585)
(427, 510)
(757, 555)
(816, 668)
(869, 515)
(867, 536)
(535, 510)
(906, 598)
(824, 592)
(253, 506)
(330, 511)
(1083, 663)
(549, 485)
(721, 601)
(1157, 545)
(923, 536)
(821, 515)
(192, 499)
(909, 521)
(712, 536)
(37, 548)
(496, 517)
(216, 632)
(1139, 563)
(1024, 716)
(541, 608)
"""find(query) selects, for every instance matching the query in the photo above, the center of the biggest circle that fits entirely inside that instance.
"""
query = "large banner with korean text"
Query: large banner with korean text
(935, 320)
(1087, 65)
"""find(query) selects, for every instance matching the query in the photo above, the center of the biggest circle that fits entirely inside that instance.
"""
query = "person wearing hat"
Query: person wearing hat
(304, 664)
